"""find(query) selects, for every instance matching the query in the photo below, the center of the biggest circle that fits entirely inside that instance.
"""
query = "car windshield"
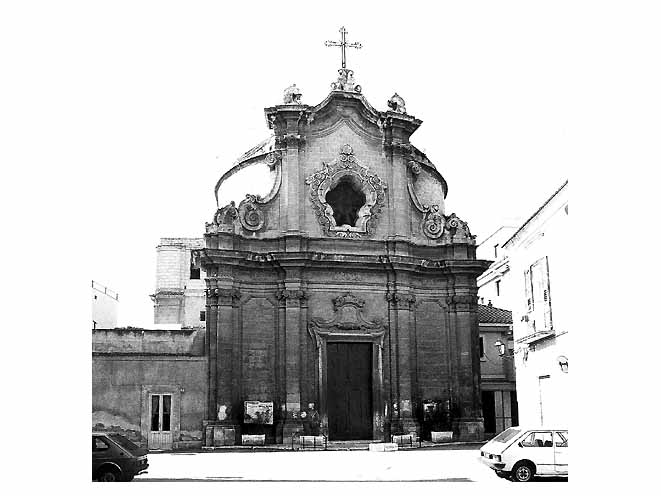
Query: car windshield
(124, 443)
(506, 435)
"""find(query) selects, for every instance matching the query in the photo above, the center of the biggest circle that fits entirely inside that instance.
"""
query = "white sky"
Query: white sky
(177, 91)
(160, 98)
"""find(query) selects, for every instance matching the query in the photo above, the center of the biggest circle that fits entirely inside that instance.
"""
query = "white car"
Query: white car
(521, 453)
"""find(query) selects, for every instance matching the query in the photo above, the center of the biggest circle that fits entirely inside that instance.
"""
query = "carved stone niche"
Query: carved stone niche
(346, 197)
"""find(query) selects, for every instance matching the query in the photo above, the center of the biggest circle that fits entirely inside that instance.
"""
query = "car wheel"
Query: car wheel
(523, 472)
(109, 475)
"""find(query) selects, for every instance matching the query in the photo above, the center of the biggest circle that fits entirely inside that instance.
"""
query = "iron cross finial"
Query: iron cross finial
(344, 45)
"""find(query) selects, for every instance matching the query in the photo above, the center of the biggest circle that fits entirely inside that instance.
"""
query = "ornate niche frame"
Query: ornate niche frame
(349, 325)
(371, 185)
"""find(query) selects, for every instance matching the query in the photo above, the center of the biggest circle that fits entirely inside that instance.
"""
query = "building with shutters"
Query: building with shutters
(538, 255)
(530, 275)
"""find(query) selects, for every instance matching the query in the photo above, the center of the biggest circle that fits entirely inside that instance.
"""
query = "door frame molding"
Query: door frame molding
(145, 409)
(349, 326)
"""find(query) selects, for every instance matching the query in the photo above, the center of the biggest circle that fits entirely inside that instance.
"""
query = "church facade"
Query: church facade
(346, 292)
(347, 286)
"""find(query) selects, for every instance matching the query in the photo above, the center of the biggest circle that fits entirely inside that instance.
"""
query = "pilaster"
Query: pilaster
(468, 422)
(221, 332)
(293, 302)
(402, 302)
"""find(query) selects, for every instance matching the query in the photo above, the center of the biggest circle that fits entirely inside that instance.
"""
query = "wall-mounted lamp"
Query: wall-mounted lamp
(182, 390)
(564, 363)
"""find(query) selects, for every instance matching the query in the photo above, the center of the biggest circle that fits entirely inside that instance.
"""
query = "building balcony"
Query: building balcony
(536, 336)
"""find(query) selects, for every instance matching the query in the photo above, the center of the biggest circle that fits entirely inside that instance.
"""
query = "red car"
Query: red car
(116, 458)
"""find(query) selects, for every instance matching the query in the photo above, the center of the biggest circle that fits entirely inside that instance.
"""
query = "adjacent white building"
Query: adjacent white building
(537, 286)
(105, 306)
(493, 283)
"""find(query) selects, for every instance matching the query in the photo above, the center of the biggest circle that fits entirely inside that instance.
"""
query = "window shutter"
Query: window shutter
(527, 283)
(548, 322)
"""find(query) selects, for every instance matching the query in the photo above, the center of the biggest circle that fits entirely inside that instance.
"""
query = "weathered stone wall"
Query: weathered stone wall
(167, 342)
(433, 360)
(120, 384)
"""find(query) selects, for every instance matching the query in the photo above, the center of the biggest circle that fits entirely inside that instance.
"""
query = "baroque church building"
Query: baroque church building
(346, 292)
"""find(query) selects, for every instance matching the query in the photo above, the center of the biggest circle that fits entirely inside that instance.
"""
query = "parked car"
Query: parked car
(116, 458)
(522, 453)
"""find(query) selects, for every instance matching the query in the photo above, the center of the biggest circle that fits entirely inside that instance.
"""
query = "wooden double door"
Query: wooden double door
(349, 392)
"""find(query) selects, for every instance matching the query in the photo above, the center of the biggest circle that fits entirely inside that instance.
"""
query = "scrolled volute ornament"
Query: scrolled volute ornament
(458, 229)
(415, 167)
(250, 215)
(272, 158)
(433, 222)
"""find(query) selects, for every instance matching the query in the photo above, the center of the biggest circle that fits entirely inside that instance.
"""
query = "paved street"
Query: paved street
(322, 466)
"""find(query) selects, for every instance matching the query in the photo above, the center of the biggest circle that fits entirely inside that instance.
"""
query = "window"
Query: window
(167, 409)
(495, 251)
(155, 401)
(194, 271)
(203, 316)
(562, 439)
(346, 199)
(98, 444)
(538, 440)
(481, 347)
(538, 295)
(506, 435)
(497, 288)
(161, 410)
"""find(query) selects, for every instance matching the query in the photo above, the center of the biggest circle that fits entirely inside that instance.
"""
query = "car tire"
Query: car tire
(523, 472)
(109, 475)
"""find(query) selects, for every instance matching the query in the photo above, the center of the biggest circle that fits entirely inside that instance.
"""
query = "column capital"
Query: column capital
(462, 302)
(225, 296)
(292, 297)
(401, 301)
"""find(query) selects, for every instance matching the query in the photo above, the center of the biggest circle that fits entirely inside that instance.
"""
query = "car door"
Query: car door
(537, 447)
(561, 447)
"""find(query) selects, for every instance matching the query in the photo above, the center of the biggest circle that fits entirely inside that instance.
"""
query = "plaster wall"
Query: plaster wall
(542, 387)
(119, 384)
(546, 235)
(104, 310)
